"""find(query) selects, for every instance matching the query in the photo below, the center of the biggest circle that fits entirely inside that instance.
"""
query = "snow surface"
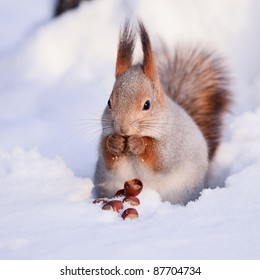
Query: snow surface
(55, 78)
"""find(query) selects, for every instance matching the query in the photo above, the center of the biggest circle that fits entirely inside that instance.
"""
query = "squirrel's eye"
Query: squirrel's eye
(109, 104)
(146, 105)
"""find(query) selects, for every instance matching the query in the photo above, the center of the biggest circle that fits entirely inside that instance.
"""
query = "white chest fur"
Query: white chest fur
(177, 186)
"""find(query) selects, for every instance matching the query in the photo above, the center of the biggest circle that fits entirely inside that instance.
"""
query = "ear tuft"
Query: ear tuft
(125, 49)
(149, 67)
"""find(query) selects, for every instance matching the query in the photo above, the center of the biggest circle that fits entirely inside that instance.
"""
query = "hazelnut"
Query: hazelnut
(134, 201)
(100, 200)
(130, 213)
(114, 205)
(133, 187)
(119, 193)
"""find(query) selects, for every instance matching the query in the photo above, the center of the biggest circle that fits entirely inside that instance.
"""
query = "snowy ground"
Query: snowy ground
(55, 78)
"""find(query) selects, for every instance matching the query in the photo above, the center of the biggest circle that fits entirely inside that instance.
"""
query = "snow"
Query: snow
(55, 78)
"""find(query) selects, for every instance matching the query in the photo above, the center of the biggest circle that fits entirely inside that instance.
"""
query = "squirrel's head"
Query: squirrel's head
(137, 97)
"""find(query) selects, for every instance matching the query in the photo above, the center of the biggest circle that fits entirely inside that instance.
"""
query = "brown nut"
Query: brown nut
(134, 201)
(133, 187)
(114, 205)
(100, 200)
(119, 193)
(130, 213)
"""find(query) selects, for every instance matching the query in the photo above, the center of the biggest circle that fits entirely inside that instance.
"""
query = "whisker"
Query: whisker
(84, 121)
(154, 127)
(85, 130)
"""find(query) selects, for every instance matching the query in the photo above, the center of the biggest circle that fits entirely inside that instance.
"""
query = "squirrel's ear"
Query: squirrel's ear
(125, 49)
(149, 67)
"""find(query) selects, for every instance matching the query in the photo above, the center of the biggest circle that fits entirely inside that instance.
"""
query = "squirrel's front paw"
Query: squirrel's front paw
(135, 145)
(116, 144)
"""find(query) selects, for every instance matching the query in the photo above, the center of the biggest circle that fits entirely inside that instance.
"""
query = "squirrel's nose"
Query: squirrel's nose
(124, 130)
(121, 128)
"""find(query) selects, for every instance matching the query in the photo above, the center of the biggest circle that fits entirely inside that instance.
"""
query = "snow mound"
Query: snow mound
(46, 213)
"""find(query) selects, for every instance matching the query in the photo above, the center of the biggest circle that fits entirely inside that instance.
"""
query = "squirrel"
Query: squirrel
(162, 123)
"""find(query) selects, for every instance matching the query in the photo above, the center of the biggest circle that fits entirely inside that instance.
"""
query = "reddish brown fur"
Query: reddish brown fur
(125, 50)
(149, 67)
(144, 150)
(112, 156)
(150, 156)
(198, 82)
(135, 145)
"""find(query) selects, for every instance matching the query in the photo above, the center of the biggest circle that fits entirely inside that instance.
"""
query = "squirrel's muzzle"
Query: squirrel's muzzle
(123, 129)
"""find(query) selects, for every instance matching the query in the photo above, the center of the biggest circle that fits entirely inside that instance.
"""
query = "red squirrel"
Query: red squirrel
(163, 123)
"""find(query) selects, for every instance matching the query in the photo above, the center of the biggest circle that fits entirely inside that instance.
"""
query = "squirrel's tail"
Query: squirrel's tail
(198, 81)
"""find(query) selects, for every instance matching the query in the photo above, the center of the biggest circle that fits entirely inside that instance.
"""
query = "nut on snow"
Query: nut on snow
(119, 193)
(115, 205)
(100, 200)
(134, 201)
(133, 187)
(130, 213)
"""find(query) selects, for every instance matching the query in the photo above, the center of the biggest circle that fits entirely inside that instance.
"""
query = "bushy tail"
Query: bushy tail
(198, 81)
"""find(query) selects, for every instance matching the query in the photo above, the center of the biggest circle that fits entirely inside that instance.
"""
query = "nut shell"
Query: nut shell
(130, 213)
(100, 200)
(134, 201)
(133, 187)
(115, 205)
(119, 193)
